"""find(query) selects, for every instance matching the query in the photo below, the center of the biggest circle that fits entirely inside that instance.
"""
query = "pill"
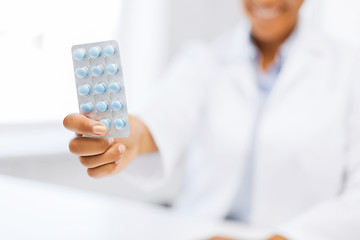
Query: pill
(109, 50)
(82, 72)
(117, 105)
(86, 107)
(102, 106)
(84, 90)
(79, 54)
(106, 122)
(97, 70)
(119, 123)
(100, 88)
(114, 87)
(95, 52)
(112, 69)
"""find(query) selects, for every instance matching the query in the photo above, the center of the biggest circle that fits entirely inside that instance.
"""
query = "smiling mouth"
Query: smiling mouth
(266, 14)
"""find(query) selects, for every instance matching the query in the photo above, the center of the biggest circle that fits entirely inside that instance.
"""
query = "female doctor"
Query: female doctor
(267, 120)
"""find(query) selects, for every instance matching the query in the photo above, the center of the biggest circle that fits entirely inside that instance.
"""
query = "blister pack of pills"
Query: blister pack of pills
(100, 85)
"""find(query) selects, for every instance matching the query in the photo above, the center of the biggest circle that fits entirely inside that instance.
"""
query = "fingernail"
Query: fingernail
(117, 162)
(99, 130)
(111, 141)
(122, 149)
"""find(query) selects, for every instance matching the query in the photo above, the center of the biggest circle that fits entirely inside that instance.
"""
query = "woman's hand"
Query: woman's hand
(103, 157)
(277, 237)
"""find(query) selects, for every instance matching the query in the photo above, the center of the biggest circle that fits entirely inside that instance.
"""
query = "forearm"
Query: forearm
(336, 218)
(147, 144)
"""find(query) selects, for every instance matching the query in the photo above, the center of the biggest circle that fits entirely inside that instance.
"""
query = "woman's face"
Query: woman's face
(272, 20)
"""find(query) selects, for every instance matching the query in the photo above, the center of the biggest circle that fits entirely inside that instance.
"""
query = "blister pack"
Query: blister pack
(100, 85)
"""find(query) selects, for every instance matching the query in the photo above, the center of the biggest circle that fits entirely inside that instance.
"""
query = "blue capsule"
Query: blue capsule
(86, 107)
(97, 70)
(117, 105)
(119, 123)
(79, 54)
(114, 87)
(109, 50)
(84, 90)
(95, 52)
(82, 72)
(102, 106)
(106, 122)
(100, 88)
(112, 69)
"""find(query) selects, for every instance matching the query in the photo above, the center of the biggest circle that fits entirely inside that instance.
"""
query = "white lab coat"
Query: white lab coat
(307, 161)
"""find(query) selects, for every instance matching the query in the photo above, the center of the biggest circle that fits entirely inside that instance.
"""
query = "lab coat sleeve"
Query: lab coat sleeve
(337, 218)
(172, 114)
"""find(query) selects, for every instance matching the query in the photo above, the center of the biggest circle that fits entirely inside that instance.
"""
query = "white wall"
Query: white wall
(201, 19)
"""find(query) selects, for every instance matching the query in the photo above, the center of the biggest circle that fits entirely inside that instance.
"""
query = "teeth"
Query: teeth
(266, 13)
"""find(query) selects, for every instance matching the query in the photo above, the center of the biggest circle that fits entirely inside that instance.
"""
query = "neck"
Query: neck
(268, 52)
(269, 49)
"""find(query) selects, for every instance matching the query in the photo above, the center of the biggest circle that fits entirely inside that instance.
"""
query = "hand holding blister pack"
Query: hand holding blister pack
(100, 86)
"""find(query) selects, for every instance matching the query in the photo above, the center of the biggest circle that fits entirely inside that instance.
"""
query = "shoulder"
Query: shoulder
(194, 58)
(329, 47)
(330, 54)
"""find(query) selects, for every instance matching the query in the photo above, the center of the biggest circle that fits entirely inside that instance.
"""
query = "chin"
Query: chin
(266, 34)
(272, 31)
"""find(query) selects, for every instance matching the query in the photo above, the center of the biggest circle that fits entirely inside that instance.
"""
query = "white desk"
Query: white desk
(32, 210)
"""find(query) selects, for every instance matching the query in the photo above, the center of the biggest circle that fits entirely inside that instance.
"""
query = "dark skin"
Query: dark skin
(272, 22)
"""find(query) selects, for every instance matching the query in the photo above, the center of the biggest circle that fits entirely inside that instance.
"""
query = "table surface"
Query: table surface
(34, 210)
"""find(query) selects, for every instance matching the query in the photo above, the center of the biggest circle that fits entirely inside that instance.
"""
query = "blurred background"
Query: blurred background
(37, 82)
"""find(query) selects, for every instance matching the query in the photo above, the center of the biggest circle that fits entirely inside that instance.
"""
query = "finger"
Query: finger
(83, 146)
(113, 154)
(81, 124)
(102, 171)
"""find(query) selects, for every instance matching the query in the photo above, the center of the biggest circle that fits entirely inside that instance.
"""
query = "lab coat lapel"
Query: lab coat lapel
(240, 63)
(301, 53)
